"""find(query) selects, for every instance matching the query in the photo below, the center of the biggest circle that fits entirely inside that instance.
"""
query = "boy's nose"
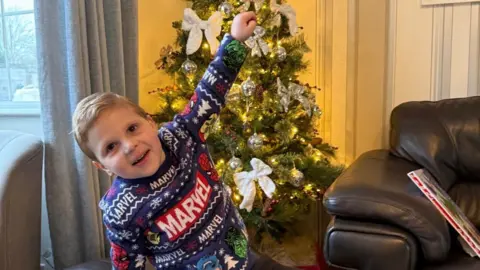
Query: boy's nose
(129, 146)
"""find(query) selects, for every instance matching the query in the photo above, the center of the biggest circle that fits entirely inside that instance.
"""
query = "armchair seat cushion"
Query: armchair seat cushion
(466, 196)
(457, 260)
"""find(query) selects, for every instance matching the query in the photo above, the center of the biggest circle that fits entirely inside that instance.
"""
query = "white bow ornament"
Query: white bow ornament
(246, 184)
(258, 4)
(288, 12)
(256, 43)
(212, 27)
(294, 91)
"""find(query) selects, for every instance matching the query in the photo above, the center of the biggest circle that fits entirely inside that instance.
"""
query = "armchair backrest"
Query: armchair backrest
(441, 136)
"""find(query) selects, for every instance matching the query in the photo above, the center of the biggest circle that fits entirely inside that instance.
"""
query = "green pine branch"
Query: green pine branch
(290, 138)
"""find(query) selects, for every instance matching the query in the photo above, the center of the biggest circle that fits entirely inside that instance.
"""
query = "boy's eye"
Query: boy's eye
(110, 147)
(132, 128)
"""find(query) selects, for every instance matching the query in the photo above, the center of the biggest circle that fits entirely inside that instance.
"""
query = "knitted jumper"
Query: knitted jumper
(182, 217)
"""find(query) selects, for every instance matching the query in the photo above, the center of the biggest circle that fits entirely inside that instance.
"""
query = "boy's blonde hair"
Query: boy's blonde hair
(89, 109)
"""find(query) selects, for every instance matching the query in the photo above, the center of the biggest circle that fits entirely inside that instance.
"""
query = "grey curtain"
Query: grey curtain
(84, 46)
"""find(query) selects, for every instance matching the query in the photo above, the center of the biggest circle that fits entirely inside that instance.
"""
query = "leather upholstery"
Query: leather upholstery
(376, 187)
(375, 194)
(467, 196)
(457, 260)
(369, 245)
(441, 136)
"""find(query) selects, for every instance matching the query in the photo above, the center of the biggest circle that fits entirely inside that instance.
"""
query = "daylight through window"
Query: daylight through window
(18, 58)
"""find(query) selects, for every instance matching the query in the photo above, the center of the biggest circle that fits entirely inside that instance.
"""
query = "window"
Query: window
(19, 93)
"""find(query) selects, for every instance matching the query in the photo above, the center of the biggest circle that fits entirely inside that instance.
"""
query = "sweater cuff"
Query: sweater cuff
(232, 52)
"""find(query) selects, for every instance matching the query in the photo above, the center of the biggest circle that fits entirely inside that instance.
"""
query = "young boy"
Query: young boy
(167, 202)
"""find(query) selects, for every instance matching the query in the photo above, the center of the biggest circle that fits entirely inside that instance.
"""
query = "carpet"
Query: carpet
(321, 264)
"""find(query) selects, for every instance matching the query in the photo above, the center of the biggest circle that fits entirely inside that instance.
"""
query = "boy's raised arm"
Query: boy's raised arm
(209, 96)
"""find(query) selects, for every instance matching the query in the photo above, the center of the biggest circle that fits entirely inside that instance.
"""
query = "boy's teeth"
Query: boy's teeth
(139, 158)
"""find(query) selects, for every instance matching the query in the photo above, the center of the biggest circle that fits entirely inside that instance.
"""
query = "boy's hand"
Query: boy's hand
(243, 25)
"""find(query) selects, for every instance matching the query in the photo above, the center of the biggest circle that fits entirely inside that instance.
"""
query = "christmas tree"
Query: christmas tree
(265, 139)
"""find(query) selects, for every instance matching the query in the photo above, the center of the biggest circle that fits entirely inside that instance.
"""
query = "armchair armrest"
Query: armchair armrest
(376, 188)
(21, 159)
(359, 244)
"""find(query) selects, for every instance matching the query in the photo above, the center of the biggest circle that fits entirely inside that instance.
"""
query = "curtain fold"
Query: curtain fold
(84, 47)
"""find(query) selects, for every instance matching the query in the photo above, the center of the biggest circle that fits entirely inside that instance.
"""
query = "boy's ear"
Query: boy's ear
(99, 166)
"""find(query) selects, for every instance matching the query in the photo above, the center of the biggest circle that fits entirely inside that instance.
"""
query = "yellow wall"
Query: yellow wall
(155, 18)
(155, 31)
(351, 52)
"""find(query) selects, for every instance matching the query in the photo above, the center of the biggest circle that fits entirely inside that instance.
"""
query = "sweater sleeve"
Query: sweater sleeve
(209, 97)
(127, 248)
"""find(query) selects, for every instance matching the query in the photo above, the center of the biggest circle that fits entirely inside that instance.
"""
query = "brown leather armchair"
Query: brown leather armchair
(380, 218)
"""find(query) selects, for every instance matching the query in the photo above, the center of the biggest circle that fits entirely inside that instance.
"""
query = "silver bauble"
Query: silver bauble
(189, 68)
(226, 9)
(255, 142)
(316, 110)
(296, 177)
(280, 54)
(248, 87)
(235, 164)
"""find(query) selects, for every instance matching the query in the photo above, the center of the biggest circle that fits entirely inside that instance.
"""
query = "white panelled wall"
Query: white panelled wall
(376, 54)
(445, 59)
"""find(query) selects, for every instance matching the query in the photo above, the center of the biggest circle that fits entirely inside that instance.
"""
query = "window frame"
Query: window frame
(15, 108)
(19, 108)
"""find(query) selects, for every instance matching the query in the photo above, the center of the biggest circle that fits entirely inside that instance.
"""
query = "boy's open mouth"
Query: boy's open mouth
(142, 158)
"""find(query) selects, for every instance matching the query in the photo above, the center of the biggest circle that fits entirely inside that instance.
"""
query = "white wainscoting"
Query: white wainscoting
(375, 55)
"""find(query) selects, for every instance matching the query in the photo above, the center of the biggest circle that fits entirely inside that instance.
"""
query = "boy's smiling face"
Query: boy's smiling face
(125, 143)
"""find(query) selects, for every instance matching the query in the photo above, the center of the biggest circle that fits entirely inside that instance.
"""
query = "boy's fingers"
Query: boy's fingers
(249, 16)
(251, 25)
